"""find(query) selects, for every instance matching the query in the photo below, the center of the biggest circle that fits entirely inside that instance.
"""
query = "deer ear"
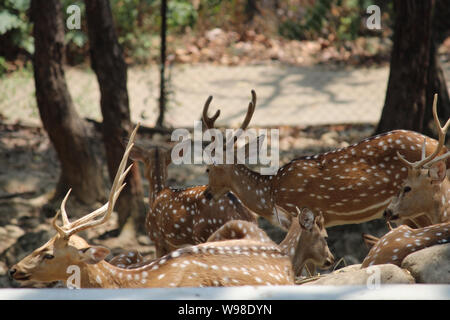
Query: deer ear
(437, 172)
(137, 153)
(306, 219)
(94, 254)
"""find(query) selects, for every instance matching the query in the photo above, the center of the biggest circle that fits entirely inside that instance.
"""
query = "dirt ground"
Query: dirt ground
(29, 170)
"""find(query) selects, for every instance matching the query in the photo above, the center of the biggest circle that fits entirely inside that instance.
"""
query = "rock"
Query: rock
(430, 265)
(354, 275)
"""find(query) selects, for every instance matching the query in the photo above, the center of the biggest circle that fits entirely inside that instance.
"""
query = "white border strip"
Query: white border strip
(384, 292)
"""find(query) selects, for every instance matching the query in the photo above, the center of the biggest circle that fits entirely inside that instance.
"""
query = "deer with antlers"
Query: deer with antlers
(305, 241)
(348, 185)
(210, 264)
(185, 216)
(398, 243)
(425, 192)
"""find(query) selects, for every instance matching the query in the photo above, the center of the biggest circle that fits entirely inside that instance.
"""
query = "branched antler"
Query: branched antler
(69, 228)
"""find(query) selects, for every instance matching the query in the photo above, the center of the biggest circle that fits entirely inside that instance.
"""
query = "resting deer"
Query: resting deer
(128, 259)
(348, 185)
(185, 216)
(211, 264)
(305, 241)
(425, 192)
(398, 243)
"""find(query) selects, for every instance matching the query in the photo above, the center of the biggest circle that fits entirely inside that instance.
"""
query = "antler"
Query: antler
(442, 131)
(209, 122)
(69, 228)
(250, 111)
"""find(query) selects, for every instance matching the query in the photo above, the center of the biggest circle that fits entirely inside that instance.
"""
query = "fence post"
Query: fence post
(162, 89)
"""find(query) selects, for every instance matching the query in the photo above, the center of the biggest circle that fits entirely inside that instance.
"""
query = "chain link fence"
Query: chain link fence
(310, 62)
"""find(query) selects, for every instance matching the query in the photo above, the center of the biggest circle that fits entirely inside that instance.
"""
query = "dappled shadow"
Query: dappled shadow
(287, 95)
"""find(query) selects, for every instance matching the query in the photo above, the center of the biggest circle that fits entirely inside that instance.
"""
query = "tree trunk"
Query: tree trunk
(436, 79)
(108, 63)
(406, 96)
(435, 84)
(251, 9)
(162, 66)
(67, 132)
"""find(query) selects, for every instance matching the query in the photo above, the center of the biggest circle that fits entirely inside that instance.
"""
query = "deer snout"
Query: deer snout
(12, 271)
(16, 274)
(389, 215)
(328, 262)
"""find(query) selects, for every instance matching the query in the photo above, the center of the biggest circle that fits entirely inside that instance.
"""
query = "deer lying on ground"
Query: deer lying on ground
(425, 193)
(128, 259)
(186, 216)
(348, 185)
(398, 243)
(426, 190)
(210, 264)
(305, 241)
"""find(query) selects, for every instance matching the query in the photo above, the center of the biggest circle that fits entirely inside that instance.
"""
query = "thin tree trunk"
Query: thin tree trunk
(406, 96)
(435, 84)
(162, 77)
(108, 63)
(436, 78)
(67, 131)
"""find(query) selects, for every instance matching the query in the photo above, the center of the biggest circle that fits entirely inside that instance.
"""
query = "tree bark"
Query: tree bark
(435, 84)
(162, 66)
(405, 101)
(66, 130)
(251, 9)
(108, 63)
(436, 78)
(415, 71)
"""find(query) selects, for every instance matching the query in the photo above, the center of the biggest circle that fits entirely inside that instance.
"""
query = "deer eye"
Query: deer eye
(48, 256)
(207, 170)
(406, 189)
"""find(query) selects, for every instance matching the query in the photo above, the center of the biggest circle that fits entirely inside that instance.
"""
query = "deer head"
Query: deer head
(425, 188)
(398, 243)
(312, 245)
(156, 159)
(50, 262)
(220, 175)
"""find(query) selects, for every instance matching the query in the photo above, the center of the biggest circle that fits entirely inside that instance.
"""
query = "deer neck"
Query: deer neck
(441, 210)
(100, 275)
(290, 242)
(254, 190)
(156, 183)
(302, 254)
(106, 275)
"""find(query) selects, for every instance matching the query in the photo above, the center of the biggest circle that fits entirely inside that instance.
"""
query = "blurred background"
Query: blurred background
(327, 73)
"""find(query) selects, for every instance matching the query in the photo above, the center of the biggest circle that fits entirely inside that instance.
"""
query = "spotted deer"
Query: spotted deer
(223, 263)
(425, 192)
(179, 217)
(305, 241)
(398, 243)
(129, 259)
(347, 185)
